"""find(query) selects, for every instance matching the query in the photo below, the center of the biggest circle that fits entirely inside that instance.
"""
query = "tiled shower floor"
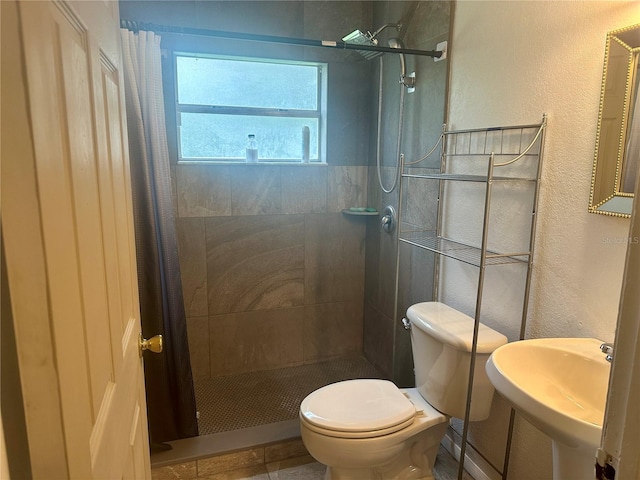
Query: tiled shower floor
(258, 398)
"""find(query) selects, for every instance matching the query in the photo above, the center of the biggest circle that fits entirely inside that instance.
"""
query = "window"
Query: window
(221, 100)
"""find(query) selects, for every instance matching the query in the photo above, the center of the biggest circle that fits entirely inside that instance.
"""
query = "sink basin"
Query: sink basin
(560, 385)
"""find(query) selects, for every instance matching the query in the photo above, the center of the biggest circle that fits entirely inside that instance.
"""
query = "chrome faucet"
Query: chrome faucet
(607, 348)
(388, 220)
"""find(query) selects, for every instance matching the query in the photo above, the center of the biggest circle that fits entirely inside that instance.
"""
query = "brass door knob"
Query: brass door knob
(154, 344)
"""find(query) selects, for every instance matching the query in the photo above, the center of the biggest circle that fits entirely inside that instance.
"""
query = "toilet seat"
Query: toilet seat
(364, 408)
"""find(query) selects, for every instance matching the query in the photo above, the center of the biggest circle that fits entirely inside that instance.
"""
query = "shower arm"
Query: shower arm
(373, 35)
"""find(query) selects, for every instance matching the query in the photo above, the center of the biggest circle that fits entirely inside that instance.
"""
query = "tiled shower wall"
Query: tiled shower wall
(386, 344)
(273, 273)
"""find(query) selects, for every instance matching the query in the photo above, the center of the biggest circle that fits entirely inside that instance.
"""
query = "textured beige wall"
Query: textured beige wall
(512, 62)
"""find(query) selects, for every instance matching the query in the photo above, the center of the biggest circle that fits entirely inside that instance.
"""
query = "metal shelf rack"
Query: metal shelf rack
(489, 156)
(460, 251)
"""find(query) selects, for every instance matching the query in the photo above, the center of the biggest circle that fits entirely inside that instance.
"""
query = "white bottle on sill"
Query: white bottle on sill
(252, 149)
(305, 144)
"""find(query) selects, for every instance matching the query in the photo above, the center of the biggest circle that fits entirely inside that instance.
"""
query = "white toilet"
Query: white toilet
(370, 429)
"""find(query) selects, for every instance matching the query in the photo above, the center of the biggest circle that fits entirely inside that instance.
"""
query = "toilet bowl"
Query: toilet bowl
(376, 431)
(370, 429)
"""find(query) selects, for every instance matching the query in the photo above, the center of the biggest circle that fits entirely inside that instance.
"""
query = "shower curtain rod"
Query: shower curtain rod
(137, 26)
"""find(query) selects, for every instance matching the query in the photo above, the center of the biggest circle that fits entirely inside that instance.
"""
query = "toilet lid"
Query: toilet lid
(362, 405)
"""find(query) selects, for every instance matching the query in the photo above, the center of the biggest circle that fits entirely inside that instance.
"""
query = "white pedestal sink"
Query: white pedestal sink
(560, 385)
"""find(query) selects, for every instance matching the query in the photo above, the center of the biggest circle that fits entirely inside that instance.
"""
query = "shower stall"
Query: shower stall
(311, 294)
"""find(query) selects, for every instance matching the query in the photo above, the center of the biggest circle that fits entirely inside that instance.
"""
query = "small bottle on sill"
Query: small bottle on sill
(252, 149)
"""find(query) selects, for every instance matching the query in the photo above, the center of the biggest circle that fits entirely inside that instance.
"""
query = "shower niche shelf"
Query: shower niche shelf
(477, 167)
(360, 212)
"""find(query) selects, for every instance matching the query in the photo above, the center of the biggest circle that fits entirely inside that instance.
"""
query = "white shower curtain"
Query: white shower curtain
(170, 395)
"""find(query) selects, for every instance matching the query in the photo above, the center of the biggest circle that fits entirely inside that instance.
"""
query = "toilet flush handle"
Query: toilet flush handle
(406, 324)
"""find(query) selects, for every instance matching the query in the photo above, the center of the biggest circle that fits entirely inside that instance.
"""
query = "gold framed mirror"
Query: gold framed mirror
(617, 153)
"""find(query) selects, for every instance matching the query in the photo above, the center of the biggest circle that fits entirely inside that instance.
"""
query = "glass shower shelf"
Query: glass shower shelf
(460, 251)
(466, 178)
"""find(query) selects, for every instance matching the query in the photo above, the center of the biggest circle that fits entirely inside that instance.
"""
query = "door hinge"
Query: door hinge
(604, 466)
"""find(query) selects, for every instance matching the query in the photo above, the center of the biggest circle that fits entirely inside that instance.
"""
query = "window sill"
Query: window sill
(252, 164)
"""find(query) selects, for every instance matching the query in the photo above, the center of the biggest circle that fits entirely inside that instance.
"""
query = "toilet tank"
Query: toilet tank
(441, 338)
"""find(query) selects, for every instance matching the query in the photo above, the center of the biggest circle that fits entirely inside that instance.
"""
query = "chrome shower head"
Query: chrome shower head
(358, 38)
(370, 39)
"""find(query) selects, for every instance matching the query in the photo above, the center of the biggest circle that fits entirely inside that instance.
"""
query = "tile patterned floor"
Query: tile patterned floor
(258, 398)
(299, 468)
(446, 468)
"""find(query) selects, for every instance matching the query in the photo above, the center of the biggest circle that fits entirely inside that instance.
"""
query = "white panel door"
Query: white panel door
(74, 244)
